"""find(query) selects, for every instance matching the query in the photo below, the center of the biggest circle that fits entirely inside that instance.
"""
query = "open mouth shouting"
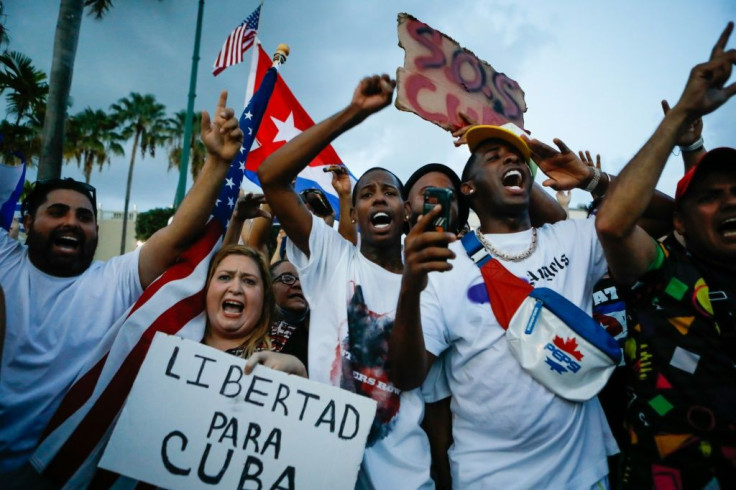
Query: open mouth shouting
(66, 242)
(727, 228)
(513, 180)
(380, 220)
(232, 308)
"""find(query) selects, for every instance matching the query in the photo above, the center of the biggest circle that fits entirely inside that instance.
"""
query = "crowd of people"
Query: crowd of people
(389, 306)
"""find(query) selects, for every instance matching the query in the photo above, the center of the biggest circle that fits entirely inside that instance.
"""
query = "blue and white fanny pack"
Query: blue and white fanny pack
(556, 342)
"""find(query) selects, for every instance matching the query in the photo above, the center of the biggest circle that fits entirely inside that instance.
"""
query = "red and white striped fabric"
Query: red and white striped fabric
(79, 430)
(237, 43)
(174, 304)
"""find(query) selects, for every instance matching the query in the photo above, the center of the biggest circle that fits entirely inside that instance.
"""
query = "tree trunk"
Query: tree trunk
(127, 191)
(60, 81)
(88, 166)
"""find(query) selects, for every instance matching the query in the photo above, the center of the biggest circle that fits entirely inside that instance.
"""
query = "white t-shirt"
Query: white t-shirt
(509, 430)
(52, 324)
(350, 350)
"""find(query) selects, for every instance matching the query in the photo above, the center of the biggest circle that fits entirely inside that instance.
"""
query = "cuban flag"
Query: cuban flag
(174, 304)
(284, 119)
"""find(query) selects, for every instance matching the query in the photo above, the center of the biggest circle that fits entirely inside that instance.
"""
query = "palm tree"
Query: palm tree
(66, 40)
(91, 140)
(23, 138)
(26, 85)
(62, 65)
(4, 38)
(197, 151)
(26, 95)
(141, 117)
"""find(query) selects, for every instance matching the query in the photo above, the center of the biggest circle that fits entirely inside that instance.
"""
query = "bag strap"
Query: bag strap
(505, 291)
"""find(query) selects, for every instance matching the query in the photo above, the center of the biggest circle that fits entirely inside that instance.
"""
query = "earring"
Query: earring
(471, 191)
(353, 221)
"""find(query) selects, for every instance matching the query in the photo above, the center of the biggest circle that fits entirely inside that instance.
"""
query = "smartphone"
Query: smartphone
(317, 201)
(434, 196)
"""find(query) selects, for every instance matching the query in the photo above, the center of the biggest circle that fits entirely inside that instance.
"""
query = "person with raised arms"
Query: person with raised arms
(509, 430)
(352, 291)
(63, 302)
(681, 414)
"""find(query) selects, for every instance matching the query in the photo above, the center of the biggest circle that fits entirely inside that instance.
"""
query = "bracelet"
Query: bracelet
(594, 181)
(695, 146)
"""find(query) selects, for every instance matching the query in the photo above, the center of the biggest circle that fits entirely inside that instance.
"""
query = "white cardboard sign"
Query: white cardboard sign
(193, 419)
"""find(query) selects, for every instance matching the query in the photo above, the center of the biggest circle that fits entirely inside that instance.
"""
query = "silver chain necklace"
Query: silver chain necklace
(502, 255)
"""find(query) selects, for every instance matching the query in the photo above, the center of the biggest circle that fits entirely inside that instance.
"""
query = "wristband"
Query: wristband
(594, 181)
(693, 147)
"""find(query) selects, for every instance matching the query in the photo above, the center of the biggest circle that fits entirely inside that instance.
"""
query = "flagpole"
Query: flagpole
(186, 146)
(250, 86)
(279, 57)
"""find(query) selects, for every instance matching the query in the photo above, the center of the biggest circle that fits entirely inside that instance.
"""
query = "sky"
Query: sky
(594, 73)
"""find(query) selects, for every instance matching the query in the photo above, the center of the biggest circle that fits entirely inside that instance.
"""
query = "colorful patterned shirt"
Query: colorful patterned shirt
(681, 416)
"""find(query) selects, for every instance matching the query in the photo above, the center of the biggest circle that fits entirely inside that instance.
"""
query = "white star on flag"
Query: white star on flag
(217, 203)
(230, 202)
(229, 183)
(287, 130)
(242, 149)
(248, 115)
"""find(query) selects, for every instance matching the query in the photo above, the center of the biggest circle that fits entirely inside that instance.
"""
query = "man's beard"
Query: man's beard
(40, 252)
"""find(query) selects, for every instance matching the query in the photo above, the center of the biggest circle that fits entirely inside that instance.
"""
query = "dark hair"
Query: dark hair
(377, 169)
(462, 205)
(41, 189)
(276, 264)
(468, 168)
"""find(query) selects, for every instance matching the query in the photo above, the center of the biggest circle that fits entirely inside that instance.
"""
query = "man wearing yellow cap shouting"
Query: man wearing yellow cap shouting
(509, 430)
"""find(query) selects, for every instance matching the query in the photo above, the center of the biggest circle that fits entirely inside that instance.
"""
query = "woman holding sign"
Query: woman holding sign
(240, 305)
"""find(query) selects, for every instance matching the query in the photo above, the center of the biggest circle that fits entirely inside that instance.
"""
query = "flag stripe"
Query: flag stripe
(173, 304)
(283, 107)
(82, 389)
(237, 43)
(82, 441)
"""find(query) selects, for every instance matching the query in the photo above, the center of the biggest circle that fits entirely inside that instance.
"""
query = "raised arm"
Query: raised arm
(258, 234)
(222, 138)
(281, 168)
(424, 252)
(629, 250)
(247, 207)
(341, 183)
(690, 141)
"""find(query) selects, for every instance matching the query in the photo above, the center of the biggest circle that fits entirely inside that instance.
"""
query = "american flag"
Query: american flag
(237, 43)
(174, 304)
(284, 119)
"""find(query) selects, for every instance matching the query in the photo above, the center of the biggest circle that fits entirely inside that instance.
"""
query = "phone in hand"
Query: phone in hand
(438, 195)
(317, 200)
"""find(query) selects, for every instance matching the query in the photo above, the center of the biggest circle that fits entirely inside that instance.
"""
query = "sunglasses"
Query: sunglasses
(287, 278)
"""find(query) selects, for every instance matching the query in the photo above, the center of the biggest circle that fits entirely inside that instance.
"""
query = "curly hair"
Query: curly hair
(258, 338)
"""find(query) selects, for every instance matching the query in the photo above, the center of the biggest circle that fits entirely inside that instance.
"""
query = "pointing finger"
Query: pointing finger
(205, 122)
(222, 103)
(665, 106)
